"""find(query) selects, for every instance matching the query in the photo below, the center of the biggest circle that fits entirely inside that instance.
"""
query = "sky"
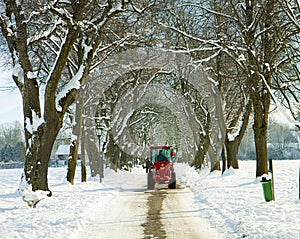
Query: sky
(228, 206)
(10, 100)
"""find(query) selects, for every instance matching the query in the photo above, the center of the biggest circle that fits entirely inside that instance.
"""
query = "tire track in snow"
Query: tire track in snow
(153, 227)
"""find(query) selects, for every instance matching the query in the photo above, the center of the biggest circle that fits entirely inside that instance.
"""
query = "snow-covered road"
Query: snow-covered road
(135, 212)
(122, 212)
(181, 218)
(121, 217)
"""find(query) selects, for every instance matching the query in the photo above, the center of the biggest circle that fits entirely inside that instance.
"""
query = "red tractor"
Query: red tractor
(160, 167)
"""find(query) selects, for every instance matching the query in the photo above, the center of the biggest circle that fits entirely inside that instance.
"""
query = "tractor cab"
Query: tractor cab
(157, 153)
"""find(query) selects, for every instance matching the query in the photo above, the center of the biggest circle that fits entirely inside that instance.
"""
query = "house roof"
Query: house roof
(64, 149)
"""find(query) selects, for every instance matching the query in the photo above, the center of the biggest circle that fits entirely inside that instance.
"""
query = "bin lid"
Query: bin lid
(264, 179)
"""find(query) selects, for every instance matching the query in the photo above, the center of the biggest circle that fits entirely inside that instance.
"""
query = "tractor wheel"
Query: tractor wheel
(150, 181)
(172, 183)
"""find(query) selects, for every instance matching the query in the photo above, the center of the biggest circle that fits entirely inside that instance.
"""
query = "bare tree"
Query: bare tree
(53, 46)
(259, 38)
(11, 133)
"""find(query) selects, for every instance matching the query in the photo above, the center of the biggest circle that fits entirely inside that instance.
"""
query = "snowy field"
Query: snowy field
(233, 204)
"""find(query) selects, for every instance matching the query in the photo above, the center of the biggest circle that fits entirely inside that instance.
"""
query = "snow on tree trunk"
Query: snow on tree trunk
(38, 154)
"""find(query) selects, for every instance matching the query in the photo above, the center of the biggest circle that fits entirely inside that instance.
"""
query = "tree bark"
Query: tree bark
(260, 136)
(113, 154)
(38, 157)
(231, 151)
(202, 148)
(72, 161)
(232, 147)
(93, 154)
(83, 158)
(260, 75)
(39, 143)
(214, 156)
(223, 160)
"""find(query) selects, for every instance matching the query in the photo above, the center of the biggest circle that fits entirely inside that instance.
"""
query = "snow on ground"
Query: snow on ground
(233, 204)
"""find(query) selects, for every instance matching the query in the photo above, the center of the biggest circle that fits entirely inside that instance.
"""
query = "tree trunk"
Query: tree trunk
(261, 151)
(113, 154)
(232, 153)
(93, 154)
(124, 160)
(260, 76)
(101, 157)
(215, 164)
(72, 161)
(83, 158)
(223, 160)
(260, 129)
(199, 157)
(77, 130)
(202, 149)
(261, 105)
(39, 142)
(38, 156)
(214, 156)
(235, 162)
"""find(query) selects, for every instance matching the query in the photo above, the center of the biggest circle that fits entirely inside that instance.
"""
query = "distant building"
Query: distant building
(62, 155)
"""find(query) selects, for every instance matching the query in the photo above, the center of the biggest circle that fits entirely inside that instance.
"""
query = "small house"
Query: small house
(62, 155)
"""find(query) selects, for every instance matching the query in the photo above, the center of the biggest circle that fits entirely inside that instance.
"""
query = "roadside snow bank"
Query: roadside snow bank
(234, 204)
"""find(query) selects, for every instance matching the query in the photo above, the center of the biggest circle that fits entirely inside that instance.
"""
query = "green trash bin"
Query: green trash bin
(268, 189)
